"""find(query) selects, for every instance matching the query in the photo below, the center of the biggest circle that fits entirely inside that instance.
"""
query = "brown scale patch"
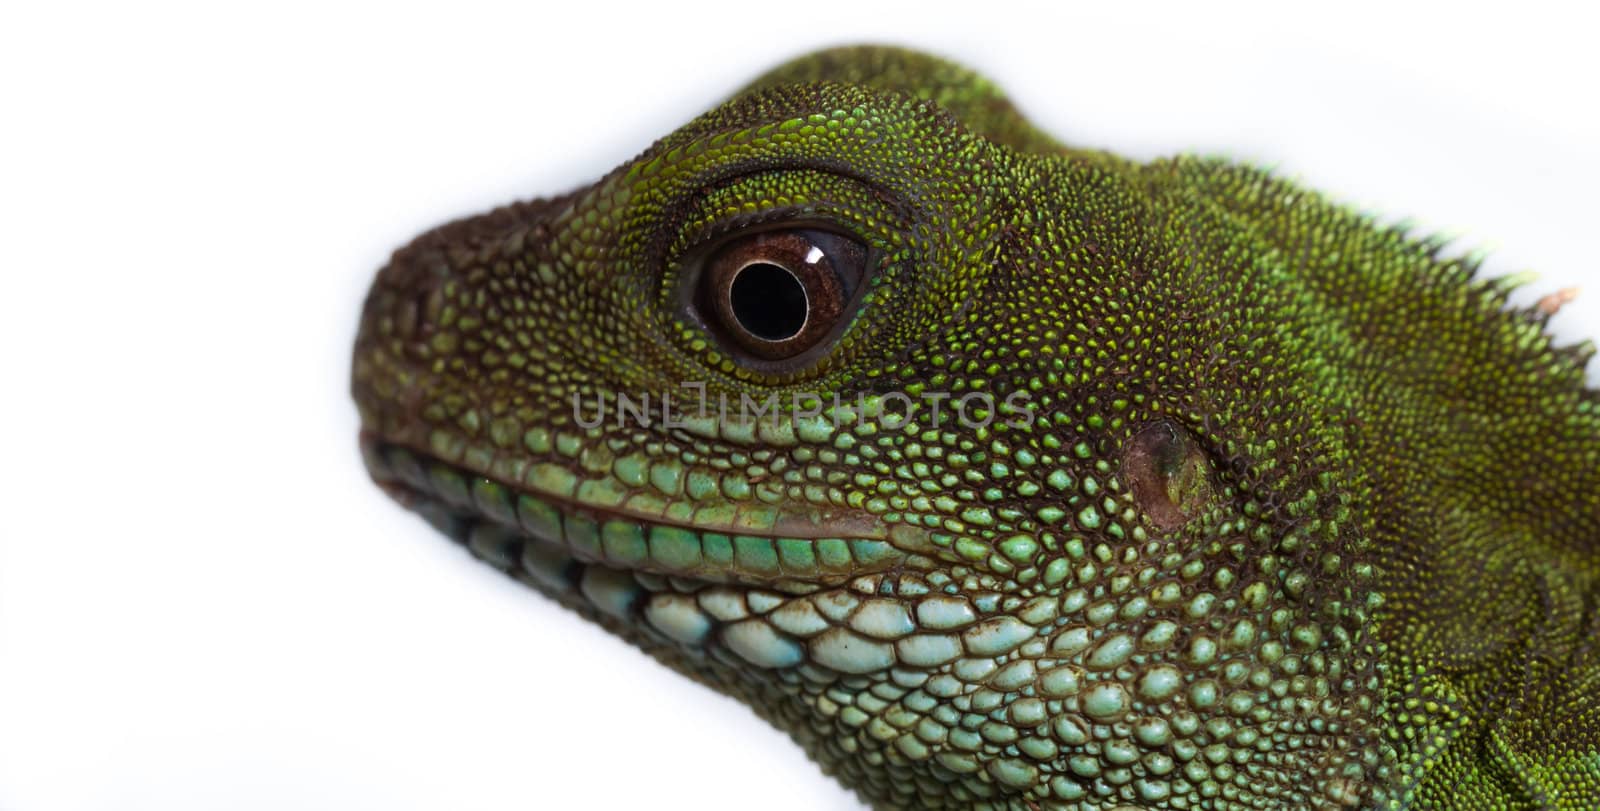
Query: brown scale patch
(1168, 472)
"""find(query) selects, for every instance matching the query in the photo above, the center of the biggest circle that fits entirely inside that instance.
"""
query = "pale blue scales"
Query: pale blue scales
(941, 612)
(849, 652)
(679, 617)
(883, 619)
(761, 645)
(998, 635)
(929, 650)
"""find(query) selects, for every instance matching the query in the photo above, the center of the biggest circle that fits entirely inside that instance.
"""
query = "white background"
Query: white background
(205, 605)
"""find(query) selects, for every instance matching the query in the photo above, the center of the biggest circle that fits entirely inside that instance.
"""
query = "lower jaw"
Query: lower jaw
(688, 624)
(680, 614)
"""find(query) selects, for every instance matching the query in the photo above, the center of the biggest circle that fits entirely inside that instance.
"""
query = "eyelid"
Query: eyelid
(692, 259)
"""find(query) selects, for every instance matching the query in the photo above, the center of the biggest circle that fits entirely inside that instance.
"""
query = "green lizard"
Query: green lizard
(1055, 480)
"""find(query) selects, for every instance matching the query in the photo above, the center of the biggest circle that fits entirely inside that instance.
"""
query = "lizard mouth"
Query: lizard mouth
(772, 601)
(554, 539)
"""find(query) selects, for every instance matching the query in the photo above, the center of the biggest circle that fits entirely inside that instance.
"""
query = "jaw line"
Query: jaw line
(802, 552)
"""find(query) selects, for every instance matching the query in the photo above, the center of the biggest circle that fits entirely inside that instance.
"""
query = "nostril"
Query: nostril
(405, 316)
(409, 294)
(392, 314)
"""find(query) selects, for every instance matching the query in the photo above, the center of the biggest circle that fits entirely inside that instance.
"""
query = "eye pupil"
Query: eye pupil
(769, 301)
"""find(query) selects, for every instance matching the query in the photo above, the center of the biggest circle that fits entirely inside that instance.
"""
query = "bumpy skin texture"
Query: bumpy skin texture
(1301, 516)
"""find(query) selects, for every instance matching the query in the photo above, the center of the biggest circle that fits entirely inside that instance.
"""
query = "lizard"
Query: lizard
(1057, 480)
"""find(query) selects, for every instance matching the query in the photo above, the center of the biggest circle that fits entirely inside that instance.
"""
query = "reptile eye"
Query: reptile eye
(773, 295)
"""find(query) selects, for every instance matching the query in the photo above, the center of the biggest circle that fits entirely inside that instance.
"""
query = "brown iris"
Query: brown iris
(773, 295)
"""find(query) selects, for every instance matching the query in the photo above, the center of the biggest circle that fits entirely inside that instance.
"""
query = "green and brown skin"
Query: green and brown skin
(1302, 517)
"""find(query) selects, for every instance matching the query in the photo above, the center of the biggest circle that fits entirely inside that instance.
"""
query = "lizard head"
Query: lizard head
(952, 451)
